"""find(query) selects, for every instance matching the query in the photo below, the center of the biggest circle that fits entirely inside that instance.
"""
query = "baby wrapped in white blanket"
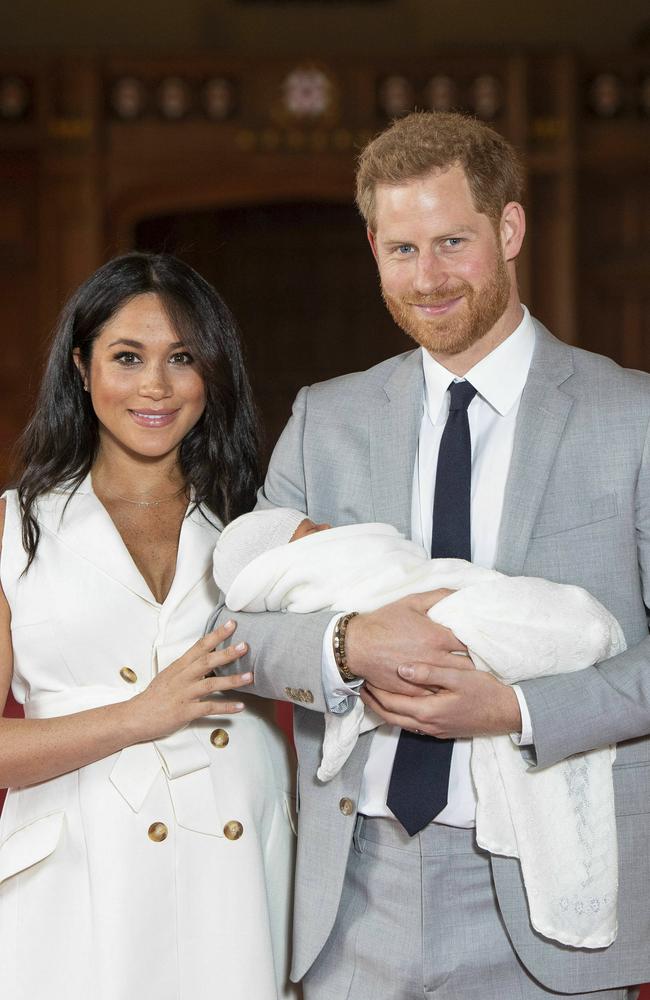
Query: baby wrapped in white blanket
(559, 821)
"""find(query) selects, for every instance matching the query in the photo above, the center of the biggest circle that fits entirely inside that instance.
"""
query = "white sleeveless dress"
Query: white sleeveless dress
(164, 871)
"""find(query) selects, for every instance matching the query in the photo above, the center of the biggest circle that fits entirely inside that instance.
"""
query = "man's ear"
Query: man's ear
(512, 229)
(76, 357)
(373, 243)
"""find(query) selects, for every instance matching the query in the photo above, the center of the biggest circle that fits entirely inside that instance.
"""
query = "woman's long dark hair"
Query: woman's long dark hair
(218, 456)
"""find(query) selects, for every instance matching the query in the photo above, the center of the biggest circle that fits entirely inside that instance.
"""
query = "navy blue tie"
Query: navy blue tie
(419, 782)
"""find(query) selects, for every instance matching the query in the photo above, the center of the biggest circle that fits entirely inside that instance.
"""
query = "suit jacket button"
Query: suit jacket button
(346, 806)
(158, 832)
(219, 738)
(128, 675)
(233, 830)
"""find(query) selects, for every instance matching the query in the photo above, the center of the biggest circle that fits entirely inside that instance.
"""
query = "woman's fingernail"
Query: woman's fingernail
(238, 705)
(240, 647)
(405, 671)
(229, 624)
(247, 678)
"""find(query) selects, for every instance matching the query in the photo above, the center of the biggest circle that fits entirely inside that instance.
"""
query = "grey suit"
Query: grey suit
(577, 510)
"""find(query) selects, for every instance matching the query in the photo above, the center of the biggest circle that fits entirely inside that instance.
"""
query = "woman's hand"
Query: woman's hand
(181, 692)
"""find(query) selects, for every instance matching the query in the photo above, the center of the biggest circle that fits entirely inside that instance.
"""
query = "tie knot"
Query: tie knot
(461, 395)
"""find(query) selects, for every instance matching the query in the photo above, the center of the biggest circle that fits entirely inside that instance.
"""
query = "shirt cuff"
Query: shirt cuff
(525, 738)
(337, 692)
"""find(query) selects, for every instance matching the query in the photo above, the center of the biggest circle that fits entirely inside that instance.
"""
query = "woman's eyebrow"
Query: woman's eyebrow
(140, 346)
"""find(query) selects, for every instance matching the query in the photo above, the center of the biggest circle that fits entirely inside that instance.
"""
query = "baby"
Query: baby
(559, 821)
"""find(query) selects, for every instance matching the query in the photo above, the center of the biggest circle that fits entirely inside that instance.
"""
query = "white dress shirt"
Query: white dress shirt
(499, 380)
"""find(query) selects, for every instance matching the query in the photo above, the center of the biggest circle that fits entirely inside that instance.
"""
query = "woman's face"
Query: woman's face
(143, 382)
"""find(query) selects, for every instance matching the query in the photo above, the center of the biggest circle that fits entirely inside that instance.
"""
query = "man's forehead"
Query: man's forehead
(440, 192)
(453, 173)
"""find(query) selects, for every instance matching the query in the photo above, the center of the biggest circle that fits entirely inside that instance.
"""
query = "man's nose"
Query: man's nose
(430, 273)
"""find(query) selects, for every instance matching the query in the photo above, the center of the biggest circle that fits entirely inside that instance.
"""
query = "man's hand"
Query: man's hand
(399, 635)
(463, 703)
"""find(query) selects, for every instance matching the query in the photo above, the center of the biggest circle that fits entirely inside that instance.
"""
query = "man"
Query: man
(491, 440)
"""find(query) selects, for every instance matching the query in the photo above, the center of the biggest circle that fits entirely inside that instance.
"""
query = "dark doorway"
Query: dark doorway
(302, 284)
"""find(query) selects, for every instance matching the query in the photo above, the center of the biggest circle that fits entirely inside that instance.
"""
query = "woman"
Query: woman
(145, 847)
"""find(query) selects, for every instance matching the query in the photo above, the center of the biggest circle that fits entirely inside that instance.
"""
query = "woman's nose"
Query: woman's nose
(155, 382)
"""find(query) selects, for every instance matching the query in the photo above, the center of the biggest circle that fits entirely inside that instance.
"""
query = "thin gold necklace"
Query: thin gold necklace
(148, 503)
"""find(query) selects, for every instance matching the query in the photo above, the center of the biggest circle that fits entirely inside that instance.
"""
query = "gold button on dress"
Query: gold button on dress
(233, 830)
(158, 832)
(219, 738)
(128, 675)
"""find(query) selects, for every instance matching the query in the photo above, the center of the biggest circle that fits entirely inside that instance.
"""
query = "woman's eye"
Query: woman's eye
(127, 358)
(181, 358)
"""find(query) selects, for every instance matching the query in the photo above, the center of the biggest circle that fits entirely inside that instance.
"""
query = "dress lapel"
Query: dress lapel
(194, 561)
(542, 416)
(84, 526)
(394, 429)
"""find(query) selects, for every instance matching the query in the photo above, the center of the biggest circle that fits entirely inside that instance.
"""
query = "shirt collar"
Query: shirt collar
(498, 378)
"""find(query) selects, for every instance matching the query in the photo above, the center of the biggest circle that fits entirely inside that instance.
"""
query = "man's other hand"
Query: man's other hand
(456, 703)
(400, 635)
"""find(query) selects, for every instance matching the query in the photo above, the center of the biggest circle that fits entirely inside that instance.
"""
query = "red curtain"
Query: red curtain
(284, 711)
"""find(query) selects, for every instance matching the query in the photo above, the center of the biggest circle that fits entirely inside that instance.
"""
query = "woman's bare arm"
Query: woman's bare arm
(33, 750)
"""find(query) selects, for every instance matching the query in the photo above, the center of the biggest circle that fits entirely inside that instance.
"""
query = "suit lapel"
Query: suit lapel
(393, 430)
(543, 413)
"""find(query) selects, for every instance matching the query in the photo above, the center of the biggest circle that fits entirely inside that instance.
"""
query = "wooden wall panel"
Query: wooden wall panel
(614, 286)
(105, 143)
(19, 313)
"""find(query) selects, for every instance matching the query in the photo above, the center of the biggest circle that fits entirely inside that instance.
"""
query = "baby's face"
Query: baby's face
(307, 527)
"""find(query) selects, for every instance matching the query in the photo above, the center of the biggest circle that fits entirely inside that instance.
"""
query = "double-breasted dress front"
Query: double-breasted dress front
(163, 871)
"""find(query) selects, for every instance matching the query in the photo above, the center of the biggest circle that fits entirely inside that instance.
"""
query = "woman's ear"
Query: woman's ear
(76, 357)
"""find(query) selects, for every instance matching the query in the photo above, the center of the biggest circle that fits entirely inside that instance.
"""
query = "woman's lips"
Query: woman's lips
(153, 418)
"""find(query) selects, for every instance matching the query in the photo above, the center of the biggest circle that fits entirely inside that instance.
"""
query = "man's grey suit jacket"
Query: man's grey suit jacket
(577, 510)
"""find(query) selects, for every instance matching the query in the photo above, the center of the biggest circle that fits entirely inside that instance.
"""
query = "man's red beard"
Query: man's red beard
(466, 324)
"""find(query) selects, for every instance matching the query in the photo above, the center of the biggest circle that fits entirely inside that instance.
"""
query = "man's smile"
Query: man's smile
(437, 308)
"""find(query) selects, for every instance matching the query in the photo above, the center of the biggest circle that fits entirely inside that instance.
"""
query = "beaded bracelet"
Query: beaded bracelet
(338, 641)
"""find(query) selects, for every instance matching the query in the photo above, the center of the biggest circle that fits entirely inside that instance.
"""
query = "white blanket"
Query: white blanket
(559, 821)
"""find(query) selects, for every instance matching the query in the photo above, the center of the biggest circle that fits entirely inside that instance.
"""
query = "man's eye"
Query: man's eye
(181, 358)
(454, 242)
(405, 249)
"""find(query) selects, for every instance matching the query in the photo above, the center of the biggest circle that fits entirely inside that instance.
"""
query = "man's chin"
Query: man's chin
(438, 335)
(439, 339)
